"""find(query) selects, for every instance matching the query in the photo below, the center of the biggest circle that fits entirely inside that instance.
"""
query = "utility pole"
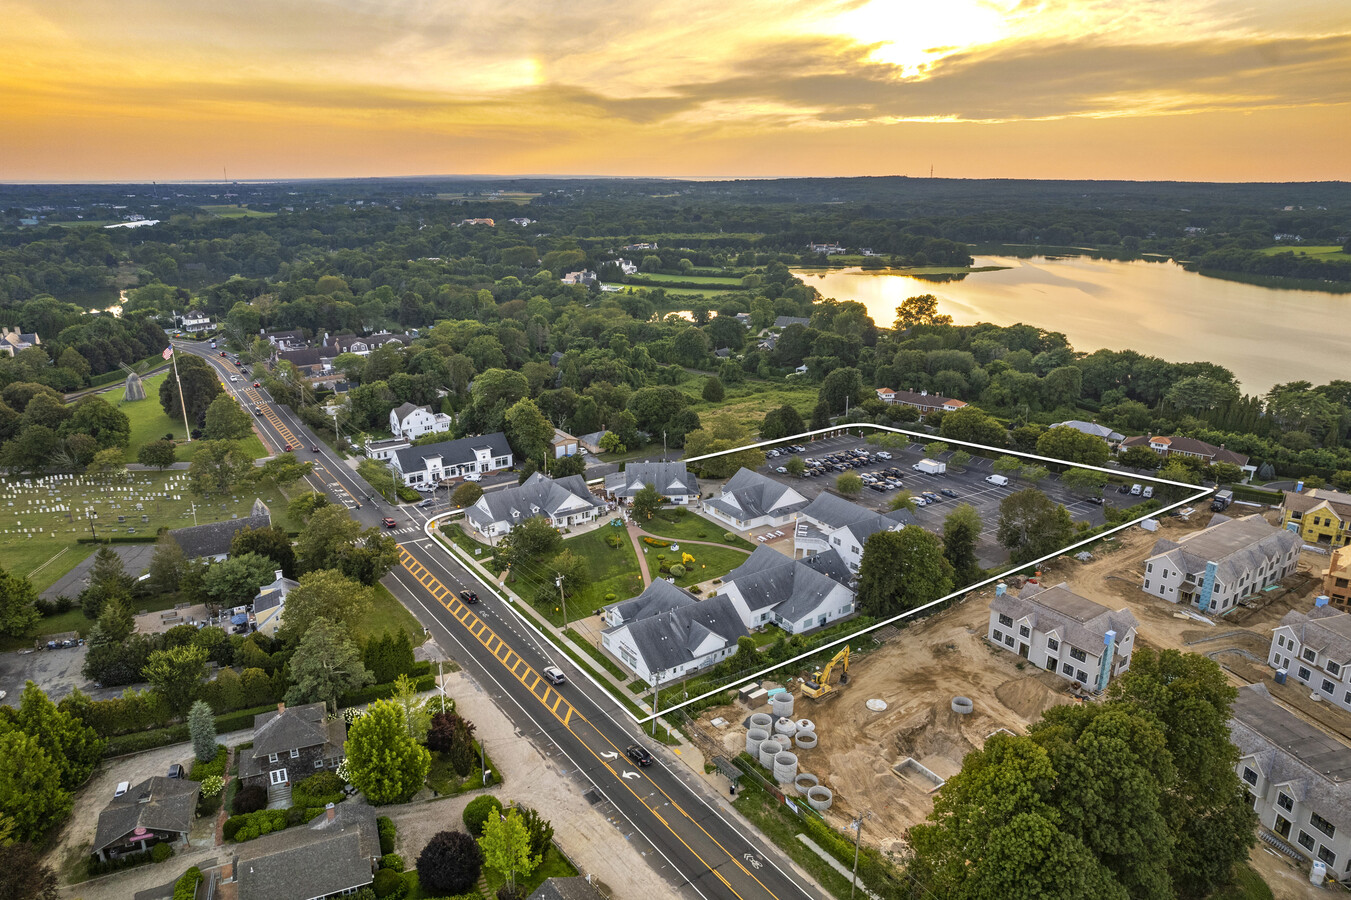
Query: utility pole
(858, 839)
(483, 761)
(663, 446)
(563, 597)
(183, 402)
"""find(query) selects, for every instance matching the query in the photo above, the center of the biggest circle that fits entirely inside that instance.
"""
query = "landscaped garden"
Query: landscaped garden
(613, 571)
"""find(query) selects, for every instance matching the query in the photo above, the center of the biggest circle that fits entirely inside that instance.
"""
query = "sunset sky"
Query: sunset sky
(180, 89)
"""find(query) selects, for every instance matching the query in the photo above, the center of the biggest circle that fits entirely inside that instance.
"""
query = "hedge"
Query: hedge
(120, 539)
(384, 826)
(252, 825)
(186, 886)
(381, 691)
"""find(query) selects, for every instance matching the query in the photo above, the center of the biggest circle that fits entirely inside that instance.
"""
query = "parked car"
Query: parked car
(388, 522)
(474, 476)
(781, 470)
(554, 675)
(948, 492)
(176, 771)
(1124, 489)
(468, 596)
(1149, 491)
(430, 501)
(882, 454)
(638, 755)
(122, 788)
(1136, 489)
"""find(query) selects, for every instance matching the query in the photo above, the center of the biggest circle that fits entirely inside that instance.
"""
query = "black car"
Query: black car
(948, 492)
(638, 755)
(176, 771)
(1124, 489)
(468, 596)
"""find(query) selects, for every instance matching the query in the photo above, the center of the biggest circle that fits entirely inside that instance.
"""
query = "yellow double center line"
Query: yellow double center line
(556, 705)
(290, 438)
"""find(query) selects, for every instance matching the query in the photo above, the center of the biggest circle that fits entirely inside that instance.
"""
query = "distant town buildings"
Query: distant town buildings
(920, 400)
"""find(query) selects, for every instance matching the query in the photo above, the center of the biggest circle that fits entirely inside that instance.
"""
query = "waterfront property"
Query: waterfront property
(1216, 568)
(1062, 632)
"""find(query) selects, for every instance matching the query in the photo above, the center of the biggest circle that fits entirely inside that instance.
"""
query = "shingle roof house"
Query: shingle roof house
(563, 501)
(785, 321)
(670, 479)
(797, 595)
(290, 744)
(1094, 429)
(429, 463)
(212, 540)
(1062, 632)
(335, 854)
(1217, 567)
(1185, 446)
(660, 596)
(681, 639)
(158, 809)
(833, 523)
(750, 500)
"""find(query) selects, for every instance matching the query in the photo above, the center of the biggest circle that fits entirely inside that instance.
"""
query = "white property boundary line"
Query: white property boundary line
(927, 438)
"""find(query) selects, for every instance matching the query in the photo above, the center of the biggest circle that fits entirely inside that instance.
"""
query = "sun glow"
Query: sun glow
(912, 33)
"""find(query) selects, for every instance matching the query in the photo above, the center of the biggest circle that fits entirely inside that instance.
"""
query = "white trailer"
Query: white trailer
(930, 467)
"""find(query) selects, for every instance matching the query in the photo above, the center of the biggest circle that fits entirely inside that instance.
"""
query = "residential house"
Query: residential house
(1218, 567)
(212, 540)
(1337, 579)
(429, 463)
(12, 340)
(193, 321)
(290, 744)
(267, 605)
(307, 360)
(564, 444)
(641, 245)
(1166, 446)
(659, 597)
(582, 276)
(1315, 649)
(827, 249)
(411, 421)
(751, 500)
(1062, 632)
(675, 637)
(628, 267)
(522, 221)
(671, 480)
(785, 321)
(380, 338)
(293, 339)
(1298, 777)
(157, 810)
(591, 440)
(797, 595)
(384, 450)
(886, 394)
(334, 855)
(833, 523)
(564, 502)
(1093, 428)
(923, 401)
(1322, 516)
(489, 222)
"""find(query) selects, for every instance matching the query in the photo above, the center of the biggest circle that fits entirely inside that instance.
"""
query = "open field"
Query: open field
(520, 198)
(668, 522)
(388, 614)
(749, 401)
(1325, 252)
(708, 280)
(149, 422)
(235, 211)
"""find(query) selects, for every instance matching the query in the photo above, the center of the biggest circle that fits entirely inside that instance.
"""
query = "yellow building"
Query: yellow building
(1322, 516)
(1337, 579)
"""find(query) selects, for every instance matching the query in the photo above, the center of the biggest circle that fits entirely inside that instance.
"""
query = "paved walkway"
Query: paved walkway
(636, 535)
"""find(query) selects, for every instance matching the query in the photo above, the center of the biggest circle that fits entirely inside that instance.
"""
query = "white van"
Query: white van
(1135, 490)
(999, 480)
(1149, 491)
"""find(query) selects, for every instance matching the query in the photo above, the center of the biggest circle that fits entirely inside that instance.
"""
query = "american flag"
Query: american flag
(168, 352)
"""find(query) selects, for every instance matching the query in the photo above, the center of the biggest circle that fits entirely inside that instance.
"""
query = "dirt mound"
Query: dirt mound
(934, 733)
(1027, 697)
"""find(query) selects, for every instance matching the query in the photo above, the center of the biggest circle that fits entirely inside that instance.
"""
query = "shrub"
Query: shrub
(212, 785)
(389, 884)
(477, 812)
(611, 597)
(256, 824)
(249, 799)
(450, 863)
(392, 861)
(186, 886)
(677, 571)
(318, 790)
(203, 770)
(385, 826)
(728, 537)
(160, 852)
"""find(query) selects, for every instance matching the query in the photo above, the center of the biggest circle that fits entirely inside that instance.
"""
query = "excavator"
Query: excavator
(820, 687)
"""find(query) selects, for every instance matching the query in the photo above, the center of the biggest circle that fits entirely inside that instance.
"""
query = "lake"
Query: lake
(1263, 335)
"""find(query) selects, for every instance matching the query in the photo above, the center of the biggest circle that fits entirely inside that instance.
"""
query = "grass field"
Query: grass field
(613, 571)
(670, 523)
(1329, 252)
(388, 614)
(1247, 885)
(149, 423)
(520, 198)
(235, 211)
(748, 402)
(709, 280)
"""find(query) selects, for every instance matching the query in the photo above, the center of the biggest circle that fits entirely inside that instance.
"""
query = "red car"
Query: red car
(222, 353)
(389, 522)
(286, 449)
(256, 384)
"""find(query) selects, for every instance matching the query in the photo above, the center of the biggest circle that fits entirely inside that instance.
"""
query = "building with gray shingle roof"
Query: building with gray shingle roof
(751, 500)
(429, 463)
(677, 642)
(1093, 429)
(670, 479)
(1298, 776)
(785, 321)
(290, 744)
(1315, 648)
(333, 855)
(1216, 568)
(157, 810)
(833, 523)
(790, 593)
(563, 501)
(1062, 632)
(659, 597)
(212, 540)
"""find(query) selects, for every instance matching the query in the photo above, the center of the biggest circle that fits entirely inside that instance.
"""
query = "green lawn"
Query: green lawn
(707, 280)
(709, 562)
(613, 571)
(388, 614)
(554, 865)
(749, 401)
(235, 211)
(677, 522)
(1327, 252)
(1247, 885)
(149, 423)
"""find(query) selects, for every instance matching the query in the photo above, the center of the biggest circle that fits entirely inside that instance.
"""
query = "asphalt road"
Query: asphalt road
(704, 854)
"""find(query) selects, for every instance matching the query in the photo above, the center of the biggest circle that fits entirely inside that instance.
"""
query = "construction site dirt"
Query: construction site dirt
(861, 754)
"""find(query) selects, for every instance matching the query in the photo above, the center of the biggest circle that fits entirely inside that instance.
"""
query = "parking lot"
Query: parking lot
(969, 485)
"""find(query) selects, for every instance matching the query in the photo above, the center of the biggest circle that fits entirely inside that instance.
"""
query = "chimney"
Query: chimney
(277, 573)
(329, 812)
(281, 708)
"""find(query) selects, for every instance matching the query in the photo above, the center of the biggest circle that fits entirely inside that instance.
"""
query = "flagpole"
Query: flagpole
(181, 399)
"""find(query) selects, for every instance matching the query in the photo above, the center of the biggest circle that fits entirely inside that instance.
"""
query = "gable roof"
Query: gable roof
(537, 495)
(1234, 545)
(1338, 503)
(660, 596)
(788, 587)
(1179, 444)
(749, 495)
(836, 513)
(666, 478)
(785, 321)
(669, 639)
(294, 727)
(322, 858)
(456, 452)
(404, 410)
(305, 356)
(214, 538)
(1077, 619)
(1324, 629)
(156, 804)
(1092, 428)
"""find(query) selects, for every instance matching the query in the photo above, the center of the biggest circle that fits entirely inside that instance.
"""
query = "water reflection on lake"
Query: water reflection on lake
(1263, 335)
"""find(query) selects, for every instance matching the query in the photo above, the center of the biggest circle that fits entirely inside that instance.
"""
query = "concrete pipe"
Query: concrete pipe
(754, 738)
(769, 750)
(962, 705)
(805, 740)
(819, 798)
(782, 704)
(762, 720)
(804, 782)
(785, 767)
(806, 725)
(785, 726)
